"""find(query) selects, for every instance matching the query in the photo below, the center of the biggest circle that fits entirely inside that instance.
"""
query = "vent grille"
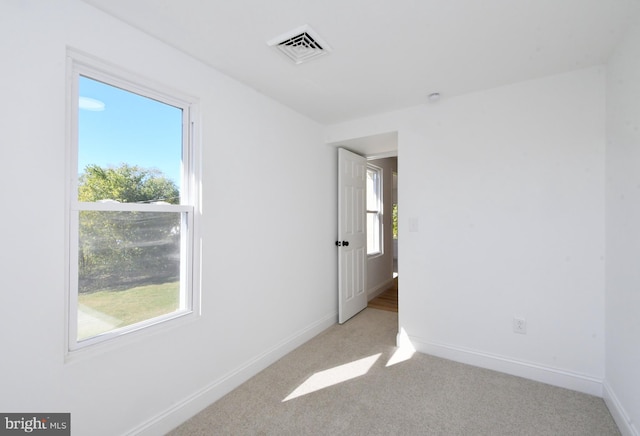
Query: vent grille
(300, 45)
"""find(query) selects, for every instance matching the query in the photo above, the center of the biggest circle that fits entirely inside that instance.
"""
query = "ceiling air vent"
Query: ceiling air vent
(300, 45)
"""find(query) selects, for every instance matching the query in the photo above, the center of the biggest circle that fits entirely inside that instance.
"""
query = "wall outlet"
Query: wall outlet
(519, 325)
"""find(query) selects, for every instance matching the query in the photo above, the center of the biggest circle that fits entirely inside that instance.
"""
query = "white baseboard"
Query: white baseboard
(620, 416)
(553, 376)
(374, 292)
(172, 417)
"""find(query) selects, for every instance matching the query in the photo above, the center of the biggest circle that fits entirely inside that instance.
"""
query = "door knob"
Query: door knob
(343, 243)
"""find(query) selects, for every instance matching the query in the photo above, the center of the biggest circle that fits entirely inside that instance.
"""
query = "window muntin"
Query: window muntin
(132, 207)
(374, 210)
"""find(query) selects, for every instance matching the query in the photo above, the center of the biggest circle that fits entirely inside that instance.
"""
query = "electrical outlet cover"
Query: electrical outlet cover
(520, 326)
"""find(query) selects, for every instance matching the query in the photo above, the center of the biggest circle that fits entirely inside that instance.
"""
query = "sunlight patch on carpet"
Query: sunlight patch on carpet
(405, 350)
(400, 355)
(334, 376)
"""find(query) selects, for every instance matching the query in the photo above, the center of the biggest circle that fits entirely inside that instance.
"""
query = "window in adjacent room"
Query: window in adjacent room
(374, 210)
(132, 205)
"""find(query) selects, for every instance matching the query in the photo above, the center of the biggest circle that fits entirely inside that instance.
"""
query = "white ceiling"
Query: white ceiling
(387, 54)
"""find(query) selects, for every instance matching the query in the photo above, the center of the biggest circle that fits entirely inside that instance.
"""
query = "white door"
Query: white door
(352, 234)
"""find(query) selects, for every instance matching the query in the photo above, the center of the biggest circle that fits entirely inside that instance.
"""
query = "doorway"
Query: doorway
(382, 267)
(382, 271)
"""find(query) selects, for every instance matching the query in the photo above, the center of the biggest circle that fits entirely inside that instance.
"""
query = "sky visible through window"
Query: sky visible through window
(117, 126)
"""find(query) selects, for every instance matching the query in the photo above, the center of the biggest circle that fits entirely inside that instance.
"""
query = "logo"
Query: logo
(42, 424)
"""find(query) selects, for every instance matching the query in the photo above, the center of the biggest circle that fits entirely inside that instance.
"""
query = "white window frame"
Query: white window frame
(377, 211)
(78, 65)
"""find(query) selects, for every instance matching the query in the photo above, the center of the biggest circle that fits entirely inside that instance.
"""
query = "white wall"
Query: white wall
(506, 187)
(622, 387)
(380, 268)
(268, 227)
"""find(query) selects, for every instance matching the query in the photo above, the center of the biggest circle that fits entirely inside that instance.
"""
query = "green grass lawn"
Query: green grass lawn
(132, 305)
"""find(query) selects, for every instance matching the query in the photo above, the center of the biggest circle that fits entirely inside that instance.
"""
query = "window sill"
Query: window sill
(129, 337)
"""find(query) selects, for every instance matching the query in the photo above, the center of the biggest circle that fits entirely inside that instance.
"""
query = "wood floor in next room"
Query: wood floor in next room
(388, 300)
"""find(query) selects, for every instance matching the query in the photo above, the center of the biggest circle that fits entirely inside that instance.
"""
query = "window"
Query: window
(132, 205)
(374, 210)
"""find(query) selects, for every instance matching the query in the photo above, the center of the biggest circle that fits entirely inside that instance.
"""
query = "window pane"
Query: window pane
(373, 233)
(137, 137)
(129, 268)
(372, 189)
(374, 223)
(395, 220)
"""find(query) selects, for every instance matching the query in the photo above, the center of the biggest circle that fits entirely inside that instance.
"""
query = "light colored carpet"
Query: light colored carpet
(423, 395)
